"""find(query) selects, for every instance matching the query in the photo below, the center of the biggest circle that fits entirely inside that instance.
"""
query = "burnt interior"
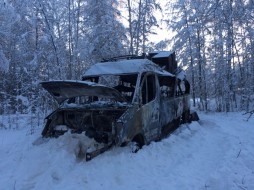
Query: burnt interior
(96, 124)
(167, 86)
(125, 84)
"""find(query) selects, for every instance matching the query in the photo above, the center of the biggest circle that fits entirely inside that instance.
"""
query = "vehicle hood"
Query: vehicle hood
(62, 90)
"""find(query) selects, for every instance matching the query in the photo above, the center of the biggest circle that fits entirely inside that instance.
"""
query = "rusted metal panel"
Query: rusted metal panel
(130, 123)
(150, 120)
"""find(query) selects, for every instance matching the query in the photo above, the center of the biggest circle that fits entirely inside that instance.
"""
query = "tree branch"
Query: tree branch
(250, 114)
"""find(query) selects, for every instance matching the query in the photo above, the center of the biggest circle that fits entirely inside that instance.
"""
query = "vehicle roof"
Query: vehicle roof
(162, 54)
(132, 66)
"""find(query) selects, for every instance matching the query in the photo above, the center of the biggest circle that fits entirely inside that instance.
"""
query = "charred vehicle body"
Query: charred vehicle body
(122, 101)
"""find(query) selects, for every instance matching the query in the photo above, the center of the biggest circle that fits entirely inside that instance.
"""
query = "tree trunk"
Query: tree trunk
(130, 27)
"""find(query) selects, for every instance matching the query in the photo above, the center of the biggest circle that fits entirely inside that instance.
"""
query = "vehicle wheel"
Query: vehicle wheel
(177, 122)
(194, 116)
(45, 131)
(186, 118)
(137, 143)
(134, 147)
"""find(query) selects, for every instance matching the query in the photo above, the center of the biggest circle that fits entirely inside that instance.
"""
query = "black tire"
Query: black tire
(186, 117)
(137, 143)
(45, 131)
(194, 116)
(177, 123)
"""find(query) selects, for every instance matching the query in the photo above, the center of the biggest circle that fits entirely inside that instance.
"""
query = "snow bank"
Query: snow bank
(214, 153)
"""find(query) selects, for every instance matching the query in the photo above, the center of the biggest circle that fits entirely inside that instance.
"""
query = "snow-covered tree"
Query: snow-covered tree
(212, 39)
(105, 34)
(141, 23)
(7, 20)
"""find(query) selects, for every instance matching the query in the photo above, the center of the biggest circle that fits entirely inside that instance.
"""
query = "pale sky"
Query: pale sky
(162, 32)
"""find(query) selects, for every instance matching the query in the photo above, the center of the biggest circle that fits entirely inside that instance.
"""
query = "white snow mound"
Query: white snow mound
(216, 153)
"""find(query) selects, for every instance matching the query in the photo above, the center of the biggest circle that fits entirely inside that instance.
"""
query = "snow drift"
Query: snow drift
(215, 153)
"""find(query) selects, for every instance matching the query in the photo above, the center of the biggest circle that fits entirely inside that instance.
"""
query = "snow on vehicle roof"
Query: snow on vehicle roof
(75, 81)
(163, 54)
(133, 66)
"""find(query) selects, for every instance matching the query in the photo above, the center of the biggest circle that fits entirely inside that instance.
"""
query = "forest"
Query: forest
(42, 40)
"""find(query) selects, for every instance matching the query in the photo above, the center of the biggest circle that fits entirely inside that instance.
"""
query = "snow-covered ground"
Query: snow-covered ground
(216, 153)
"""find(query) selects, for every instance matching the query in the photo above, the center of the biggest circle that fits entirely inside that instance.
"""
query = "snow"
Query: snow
(86, 83)
(216, 153)
(133, 66)
(65, 89)
(162, 54)
(96, 104)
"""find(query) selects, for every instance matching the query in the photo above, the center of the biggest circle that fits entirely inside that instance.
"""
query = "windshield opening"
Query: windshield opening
(125, 84)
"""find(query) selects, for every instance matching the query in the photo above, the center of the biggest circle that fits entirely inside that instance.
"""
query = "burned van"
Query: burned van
(121, 101)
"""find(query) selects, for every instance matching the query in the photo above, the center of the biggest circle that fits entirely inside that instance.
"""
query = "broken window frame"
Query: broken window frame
(167, 86)
(117, 83)
(155, 92)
